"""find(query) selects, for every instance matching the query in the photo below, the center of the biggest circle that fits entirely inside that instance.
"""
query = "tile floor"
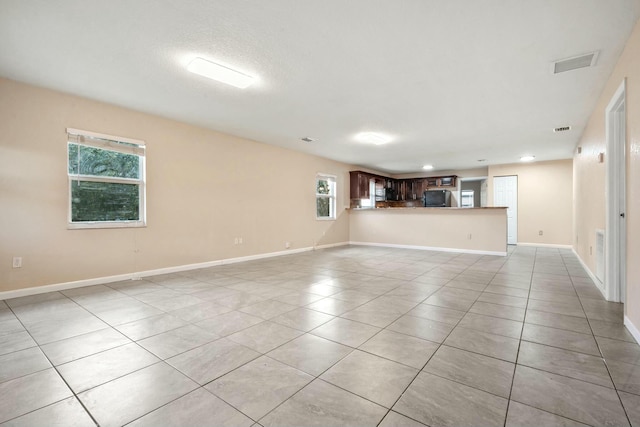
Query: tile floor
(350, 336)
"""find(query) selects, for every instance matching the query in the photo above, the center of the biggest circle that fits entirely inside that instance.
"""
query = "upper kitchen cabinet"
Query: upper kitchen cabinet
(441, 181)
(395, 189)
(360, 185)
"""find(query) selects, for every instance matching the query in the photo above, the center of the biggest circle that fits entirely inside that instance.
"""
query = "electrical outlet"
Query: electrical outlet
(235, 241)
(240, 240)
(540, 233)
(17, 262)
(469, 236)
(287, 245)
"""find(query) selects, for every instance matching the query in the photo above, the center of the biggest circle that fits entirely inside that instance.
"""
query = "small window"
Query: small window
(106, 181)
(325, 197)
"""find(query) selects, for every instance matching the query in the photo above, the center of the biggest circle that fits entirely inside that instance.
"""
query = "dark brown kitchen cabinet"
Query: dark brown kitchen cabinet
(411, 189)
(360, 185)
(447, 181)
(442, 181)
(414, 189)
(396, 189)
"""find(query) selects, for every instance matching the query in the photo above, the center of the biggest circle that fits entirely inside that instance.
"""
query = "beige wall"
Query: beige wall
(203, 189)
(461, 173)
(432, 227)
(544, 200)
(590, 175)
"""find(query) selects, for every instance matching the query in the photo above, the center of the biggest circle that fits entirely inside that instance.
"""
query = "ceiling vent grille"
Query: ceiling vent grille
(562, 129)
(582, 61)
(307, 139)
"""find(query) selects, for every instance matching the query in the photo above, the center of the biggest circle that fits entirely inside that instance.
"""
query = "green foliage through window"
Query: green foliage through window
(323, 187)
(325, 197)
(85, 160)
(106, 181)
(323, 207)
(104, 201)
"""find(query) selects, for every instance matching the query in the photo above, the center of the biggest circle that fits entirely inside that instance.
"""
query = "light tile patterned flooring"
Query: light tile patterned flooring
(350, 336)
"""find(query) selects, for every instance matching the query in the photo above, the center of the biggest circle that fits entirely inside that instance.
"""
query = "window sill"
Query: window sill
(106, 224)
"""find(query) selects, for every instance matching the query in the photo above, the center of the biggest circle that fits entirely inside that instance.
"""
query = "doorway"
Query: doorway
(472, 192)
(616, 232)
(505, 193)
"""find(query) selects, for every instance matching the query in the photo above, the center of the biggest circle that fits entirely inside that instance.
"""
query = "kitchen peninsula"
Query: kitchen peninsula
(404, 222)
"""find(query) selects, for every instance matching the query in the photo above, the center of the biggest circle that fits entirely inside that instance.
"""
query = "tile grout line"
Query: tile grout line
(407, 281)
(515, 365)
(563, 416)
(422, 369)
(346, 355)
(615, 387)
(73, 393)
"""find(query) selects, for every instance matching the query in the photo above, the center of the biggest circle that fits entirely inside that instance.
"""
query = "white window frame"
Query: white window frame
(331, 196)
(110, 143)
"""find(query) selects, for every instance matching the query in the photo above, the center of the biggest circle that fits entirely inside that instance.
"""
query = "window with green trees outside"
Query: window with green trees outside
(325, 197)
(106, 181)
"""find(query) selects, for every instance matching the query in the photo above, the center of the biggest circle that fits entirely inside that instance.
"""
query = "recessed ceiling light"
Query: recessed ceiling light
(427, 167)
(527, 158)
(220, 73)
(373, 138)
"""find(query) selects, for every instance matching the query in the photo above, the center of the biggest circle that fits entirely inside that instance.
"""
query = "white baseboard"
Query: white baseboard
(632, 329)
(430, 248)
(67, 285)
(175, 269)
(592, 276)
(166, 270)
(267, 255)
(545, 245)
(331, 245)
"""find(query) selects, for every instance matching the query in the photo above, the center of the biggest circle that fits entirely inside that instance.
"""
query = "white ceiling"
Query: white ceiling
(451, 81)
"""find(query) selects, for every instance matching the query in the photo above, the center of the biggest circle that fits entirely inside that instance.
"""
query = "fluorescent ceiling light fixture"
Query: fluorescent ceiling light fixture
(373, 138)
(220, 73)
(527, 158)
(427, 167)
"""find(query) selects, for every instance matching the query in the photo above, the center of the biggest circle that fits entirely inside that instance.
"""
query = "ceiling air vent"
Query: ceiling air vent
(562, 129)
(582, 61)
(307, 139)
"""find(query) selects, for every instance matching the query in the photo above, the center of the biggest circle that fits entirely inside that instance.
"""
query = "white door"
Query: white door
(616, 234)
(505, 193)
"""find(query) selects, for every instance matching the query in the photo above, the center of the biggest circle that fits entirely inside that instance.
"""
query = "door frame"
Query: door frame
(516, 207)
(615, 197)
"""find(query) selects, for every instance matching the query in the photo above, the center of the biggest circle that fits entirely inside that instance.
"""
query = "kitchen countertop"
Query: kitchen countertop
(422, 207)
